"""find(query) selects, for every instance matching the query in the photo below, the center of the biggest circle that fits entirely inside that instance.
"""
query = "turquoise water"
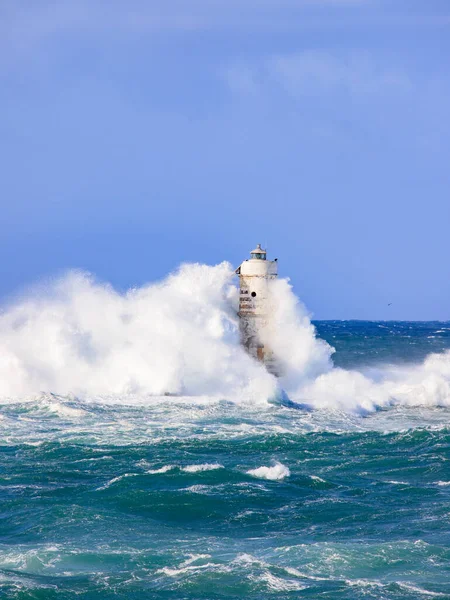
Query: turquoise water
(190, 498)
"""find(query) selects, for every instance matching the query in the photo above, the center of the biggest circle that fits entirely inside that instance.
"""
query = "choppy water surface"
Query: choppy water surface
(195, 497)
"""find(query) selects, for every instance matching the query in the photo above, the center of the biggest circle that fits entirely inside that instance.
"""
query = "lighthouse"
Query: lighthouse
(255, 306)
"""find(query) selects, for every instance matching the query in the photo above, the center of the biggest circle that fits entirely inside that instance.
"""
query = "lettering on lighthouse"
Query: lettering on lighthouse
(255, 307)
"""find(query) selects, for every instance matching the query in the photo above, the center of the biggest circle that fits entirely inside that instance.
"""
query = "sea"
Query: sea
(143, 455)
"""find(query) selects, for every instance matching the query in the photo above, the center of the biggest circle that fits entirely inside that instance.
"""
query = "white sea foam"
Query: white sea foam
(195, 568)
(198, 489)
(187, 469)
(203, 467)
(194, 558)
(248, 559)
(179, 336)
(427, 384)
(301, 355)
(56, 405)
(178, 341)
(277, 584)
(275, 473)
(164, 469)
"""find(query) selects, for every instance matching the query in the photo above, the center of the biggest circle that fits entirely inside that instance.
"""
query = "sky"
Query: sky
(136, 135)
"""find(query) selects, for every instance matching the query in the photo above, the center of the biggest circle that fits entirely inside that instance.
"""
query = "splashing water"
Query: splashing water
(180, 337)
(276, 472)
(174, 337)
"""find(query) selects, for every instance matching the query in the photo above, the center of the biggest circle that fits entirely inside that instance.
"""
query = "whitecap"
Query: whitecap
(317, 478)
(275, 473)
(202, 467)
(277, 584)
(164, 469)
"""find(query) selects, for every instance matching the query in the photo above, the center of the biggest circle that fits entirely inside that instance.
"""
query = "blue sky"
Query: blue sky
(139, 134)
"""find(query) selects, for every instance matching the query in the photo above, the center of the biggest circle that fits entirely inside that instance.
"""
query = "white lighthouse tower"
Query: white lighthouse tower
(255, 305)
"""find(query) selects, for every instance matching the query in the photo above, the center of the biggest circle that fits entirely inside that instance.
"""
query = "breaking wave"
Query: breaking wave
(180, 337)
(275, 473)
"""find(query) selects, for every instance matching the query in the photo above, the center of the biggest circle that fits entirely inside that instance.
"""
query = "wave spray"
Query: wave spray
(180, 336)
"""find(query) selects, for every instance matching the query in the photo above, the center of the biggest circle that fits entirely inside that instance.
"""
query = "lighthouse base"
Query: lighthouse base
(260, 352)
